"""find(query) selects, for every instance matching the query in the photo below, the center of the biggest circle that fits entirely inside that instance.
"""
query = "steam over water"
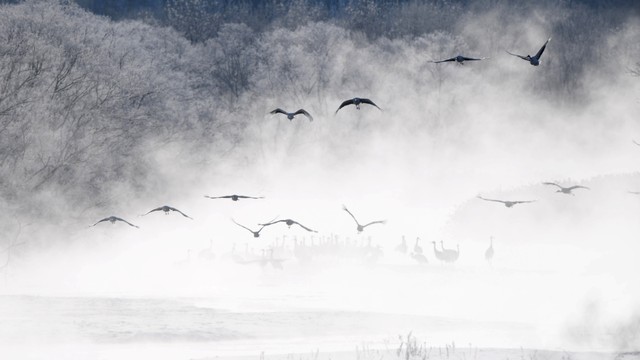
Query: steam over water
(154, 114)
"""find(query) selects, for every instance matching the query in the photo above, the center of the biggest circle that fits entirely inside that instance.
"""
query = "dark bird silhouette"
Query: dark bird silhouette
(234, 197)
(289, 222)
(488, 254)
(506, 202)
(357, 102)
(361, 227)
(290, 116)
(459, 59)
(566, 190)
(113, 219)
(533, 60)
(256, 234)
(166, 210)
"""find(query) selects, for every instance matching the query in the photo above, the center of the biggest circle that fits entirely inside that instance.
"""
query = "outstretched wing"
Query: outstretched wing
(367, 101)
(441, 61)
(550, 183)
(218, 197)
(345, 103)
(472, 59)
(305, 113)
(375, 222)
(271, 223)
(635, 142)
(249, 197)
(268, 223)
(304, 227)
(105, 219)
(125, 221)
(520, 56)
(578, 187)
(523, 201)
(349, 212)
(150, 211)
(485, 199)
(242, 226)
(539, 53)
(183, 214)
(279, 111)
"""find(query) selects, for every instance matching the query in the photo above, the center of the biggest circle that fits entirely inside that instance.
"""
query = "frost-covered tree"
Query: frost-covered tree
(233, 57)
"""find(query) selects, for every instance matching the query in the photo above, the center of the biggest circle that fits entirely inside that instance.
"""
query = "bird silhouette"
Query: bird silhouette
(357, 101)
(166, 210)
(635, 142)
(439, 254)
(420, 258)
(256, 234)
(459, 59)
(566, 190)
(234, 197)
(359, 227)
(507, 203)
(533, 60)
(290, 116)
(416, 248)
(402, 247)
(113, 219)
(488, 254)
(450, 255)
(275, 262)
(289, 222)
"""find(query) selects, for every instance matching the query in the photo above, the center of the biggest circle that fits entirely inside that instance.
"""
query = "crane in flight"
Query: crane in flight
(459, 59)
(507, 203)
(289, 222)
(357, 101)
(166, 210)
(535, 59)
(566, 190)
(256, 234)
(234, 197)
(359, 226)
(290, 116)
(113, 219)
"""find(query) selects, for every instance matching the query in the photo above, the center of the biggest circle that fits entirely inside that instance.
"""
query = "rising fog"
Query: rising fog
(101, 117)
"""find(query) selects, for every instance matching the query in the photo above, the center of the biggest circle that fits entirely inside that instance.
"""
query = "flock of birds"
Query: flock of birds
(332, 246)
(460, 59)
(303, 250)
